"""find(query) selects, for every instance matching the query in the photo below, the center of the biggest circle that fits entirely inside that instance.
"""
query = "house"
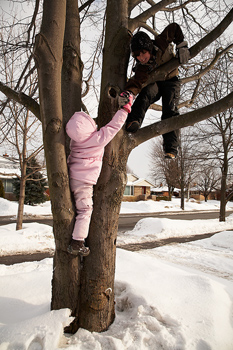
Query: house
(197, 194)
(137, 189)
(163, 191)
(9, 169)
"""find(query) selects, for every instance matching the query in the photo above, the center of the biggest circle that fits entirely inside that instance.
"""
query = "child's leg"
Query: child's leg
(84, 205)
(170, 98)
(146, 97)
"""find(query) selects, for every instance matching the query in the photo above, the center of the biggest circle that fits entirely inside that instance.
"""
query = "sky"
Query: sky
(174, 297)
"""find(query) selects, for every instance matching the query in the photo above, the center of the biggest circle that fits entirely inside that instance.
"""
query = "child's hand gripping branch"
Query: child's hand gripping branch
(85, 163)
(125, 100)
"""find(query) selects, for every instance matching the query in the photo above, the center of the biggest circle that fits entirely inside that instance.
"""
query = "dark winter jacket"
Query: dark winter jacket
(162, 52)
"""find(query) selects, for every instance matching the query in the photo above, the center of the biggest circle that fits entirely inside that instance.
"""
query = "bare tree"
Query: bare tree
(89, 292)
(19, 129)
(208, 180)
(179, 172)
(217, 132)
(163, 170)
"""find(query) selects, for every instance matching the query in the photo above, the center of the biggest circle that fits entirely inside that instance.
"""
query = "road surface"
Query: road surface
(126, 223)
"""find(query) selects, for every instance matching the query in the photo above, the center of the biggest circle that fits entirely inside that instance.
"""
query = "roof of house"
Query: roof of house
(134, 180)
(9, 167)
(163, 189)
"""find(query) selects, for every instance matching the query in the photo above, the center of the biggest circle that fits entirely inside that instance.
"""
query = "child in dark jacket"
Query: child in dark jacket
(151, 54)
(85, 162)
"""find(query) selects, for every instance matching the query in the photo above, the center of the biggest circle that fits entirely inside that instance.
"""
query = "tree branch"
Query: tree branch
(21, 98)
(208, 68)
(133, 23)
(36, 9)
(88, 3)
(184, 120)
(192, 99)
(161, 72)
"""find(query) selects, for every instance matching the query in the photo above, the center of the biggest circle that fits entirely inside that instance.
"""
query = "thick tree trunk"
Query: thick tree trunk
(49, 58)
(72, 65)
(97, 277)
(66, 277)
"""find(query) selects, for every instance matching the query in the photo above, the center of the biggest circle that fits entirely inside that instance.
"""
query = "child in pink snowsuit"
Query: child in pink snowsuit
(85, 162)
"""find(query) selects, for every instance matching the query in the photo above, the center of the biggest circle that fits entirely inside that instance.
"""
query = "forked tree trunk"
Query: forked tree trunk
(97, 277)
(49, 58)
(93, 304)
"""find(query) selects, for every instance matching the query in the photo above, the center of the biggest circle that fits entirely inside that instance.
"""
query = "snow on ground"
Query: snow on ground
(33, 237)
(36, 237)
(151, 206)
(10, 208)
(153, 229)
(175, 297)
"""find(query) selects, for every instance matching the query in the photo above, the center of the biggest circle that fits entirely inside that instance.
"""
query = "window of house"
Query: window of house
(7, 184)
(129, 191)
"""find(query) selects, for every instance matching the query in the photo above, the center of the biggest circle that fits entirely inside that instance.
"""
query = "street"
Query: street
(126, 223)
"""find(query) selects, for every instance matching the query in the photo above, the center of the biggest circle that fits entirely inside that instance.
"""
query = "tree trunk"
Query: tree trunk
(72, 65)
(222, 213)
(91, 286)
(182, 198)
(49, 57)
(66, 277)
(97, 277)
(19, 223)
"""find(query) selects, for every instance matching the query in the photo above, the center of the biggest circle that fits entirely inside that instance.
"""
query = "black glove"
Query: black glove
(123, 98)
(182, 52)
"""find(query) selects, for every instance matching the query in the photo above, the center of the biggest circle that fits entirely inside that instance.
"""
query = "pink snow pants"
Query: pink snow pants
(84, 205)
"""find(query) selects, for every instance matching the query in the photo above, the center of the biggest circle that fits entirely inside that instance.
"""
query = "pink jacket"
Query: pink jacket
(87, 144)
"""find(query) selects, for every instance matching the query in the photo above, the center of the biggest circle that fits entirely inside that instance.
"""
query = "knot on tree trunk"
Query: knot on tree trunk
(114, 91)
(54, 126)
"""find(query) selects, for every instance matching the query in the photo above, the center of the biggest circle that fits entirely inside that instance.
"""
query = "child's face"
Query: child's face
(143, 57)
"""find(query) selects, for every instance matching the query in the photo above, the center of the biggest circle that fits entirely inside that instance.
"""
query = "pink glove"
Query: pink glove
(125, 100)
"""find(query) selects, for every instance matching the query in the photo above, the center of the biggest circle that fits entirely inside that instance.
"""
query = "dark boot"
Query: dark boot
(132, 126)
(78, 248)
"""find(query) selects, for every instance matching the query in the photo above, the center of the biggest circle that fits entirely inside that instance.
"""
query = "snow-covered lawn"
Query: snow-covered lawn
(175, 297)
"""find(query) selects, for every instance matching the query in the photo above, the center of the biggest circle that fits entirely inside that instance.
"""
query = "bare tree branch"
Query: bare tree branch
(88, 3)
(33, 20)
(183, 120)
(161, 73)
(133, 23)
(192, 99)
(22, 98)
(208, 68)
